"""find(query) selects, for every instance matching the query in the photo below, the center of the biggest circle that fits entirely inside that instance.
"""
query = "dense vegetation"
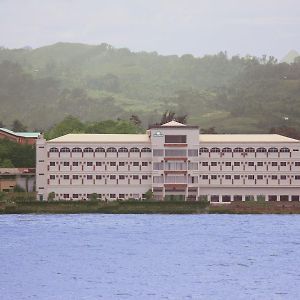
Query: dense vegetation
(96, 83)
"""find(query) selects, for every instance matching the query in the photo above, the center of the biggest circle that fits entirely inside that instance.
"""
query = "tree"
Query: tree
(149, 195)
(93, 197)
(17, 126)
(6, 163)
(135, 120)
(51, 196)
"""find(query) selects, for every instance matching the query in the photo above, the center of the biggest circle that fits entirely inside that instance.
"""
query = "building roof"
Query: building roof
(21, 134)
(102, 138)
(173, 124)
(16, 171)
(245, 138)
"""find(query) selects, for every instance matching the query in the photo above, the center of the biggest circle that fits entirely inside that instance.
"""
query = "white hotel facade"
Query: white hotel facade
(171, 159)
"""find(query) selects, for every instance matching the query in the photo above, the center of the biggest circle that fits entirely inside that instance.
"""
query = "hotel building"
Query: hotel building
(170, 160)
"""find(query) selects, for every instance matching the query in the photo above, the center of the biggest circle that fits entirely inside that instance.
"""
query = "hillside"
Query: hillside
(95, 83)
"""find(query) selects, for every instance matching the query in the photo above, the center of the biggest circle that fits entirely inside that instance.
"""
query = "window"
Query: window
(297, 163)
(112, 163)
(260, 177)
(112, 177)
(135, 177)
(88, 149)
(251, 177)
(66, 177)
(214, 150)
(285, 150)
(135, 163)
(75, 163)
(237, 198)
(249, 150)
(52, 163)
(237, 163)
(226, 198)
(237, 177)
(213, 177)
(261, 150)
(134, 149)
(76, 149)
(75, 177)
(144, 163)
(121, 196)
(283, 177)
(260, 163)
(99, 150)
(111, 149)
(175, 139)
(227, 177)
(214, 198)
(112, 195)
(52, 177)
(144, 177)
(98, 163)
(228, 164)
(158, 166)
(121, 177)
(53, 149)
(203, 150)
(89, 164)
(295, 198)
(204, 177)
(251, 164)
(283, 164)
(284, 198)
(226, 150)
(147, 150)
(123, 150)
(75, 196)
(193, 152)
(273, 150)
(274, 163)
(297, 177)
(89, 177)
(205, 164)
(213, 164)
(274, 177)
(272, 198)
(175, 152)
(239, 150)
(64, 149)
(121, 164)
(98, 177)
(66, 196)
(158, 152)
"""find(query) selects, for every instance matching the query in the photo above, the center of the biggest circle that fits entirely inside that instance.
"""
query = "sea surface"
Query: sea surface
(93, 256)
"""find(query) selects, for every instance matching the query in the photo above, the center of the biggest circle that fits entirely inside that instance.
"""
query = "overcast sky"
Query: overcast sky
(167, 26)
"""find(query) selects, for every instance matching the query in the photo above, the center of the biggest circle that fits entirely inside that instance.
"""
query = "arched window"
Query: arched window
(146, 150)
(203, 150)
(53, 149)
(99, 150)
(249, 150)
(65, 149)
(134, 149)
(213, 150)
(260, 150)
(76, 149)
(88, 149)
(239, 150)
(111, 149)
(273, 150)
(226, 149)
(123, 149)
(285, 150)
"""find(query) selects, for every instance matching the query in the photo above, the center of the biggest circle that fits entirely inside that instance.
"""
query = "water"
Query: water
(149, 257)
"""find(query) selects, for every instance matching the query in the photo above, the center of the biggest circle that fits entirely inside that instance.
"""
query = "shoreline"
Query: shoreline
(147, 207)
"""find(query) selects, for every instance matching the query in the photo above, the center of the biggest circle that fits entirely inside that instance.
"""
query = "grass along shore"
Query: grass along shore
(146, 207)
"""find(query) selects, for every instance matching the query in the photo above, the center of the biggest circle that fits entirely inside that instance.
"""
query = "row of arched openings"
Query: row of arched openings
(246, 150)
(99, 149)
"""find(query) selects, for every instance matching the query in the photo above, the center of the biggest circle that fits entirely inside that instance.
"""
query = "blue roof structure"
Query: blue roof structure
(21, 134)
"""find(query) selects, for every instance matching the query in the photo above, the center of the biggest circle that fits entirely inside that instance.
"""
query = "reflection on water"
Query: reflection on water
(149, 257)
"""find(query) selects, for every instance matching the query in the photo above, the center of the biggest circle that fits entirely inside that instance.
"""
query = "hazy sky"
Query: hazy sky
(167, 26)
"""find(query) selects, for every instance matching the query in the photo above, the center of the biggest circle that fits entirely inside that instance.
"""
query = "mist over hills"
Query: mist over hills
(233, 94)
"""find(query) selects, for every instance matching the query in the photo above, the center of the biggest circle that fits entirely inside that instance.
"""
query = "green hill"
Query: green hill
(94, 83)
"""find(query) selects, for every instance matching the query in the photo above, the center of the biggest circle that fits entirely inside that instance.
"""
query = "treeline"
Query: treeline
(232, 94)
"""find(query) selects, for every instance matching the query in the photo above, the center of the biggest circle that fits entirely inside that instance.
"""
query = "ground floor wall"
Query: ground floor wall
(227, 195)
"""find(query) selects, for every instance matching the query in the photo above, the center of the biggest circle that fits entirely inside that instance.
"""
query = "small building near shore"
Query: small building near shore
(17, 177)
(28, 138)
